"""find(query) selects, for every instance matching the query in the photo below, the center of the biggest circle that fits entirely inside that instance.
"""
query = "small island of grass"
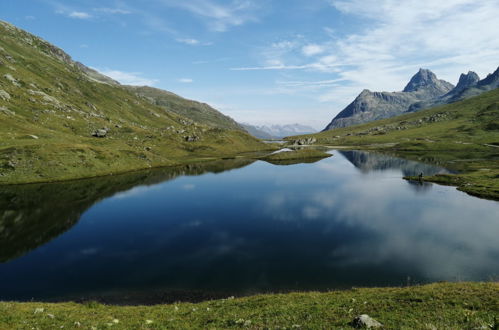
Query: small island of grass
(301, 155)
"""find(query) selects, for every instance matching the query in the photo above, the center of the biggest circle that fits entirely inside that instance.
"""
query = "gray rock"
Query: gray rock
(13, 80)
(10, 164)
(191, 138)
(100, 133)
(365, 321)
(6, 111)
(4, 95)
(305, 141)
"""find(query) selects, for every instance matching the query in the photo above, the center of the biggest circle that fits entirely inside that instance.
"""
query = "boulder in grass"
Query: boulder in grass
(364, 321)
(101, 132)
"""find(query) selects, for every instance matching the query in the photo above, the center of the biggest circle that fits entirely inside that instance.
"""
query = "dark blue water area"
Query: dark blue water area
(349, 220)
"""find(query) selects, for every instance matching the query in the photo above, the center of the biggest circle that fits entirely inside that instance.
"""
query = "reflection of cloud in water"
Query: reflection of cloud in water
(189, 186)
(443, 234)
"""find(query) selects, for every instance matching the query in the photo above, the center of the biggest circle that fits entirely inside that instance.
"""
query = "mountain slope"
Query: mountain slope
(463, 136)
(370, 106)
(50, 108)
(193, 110)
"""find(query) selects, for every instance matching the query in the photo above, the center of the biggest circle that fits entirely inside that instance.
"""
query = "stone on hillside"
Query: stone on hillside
(6, 111)
(13, 80)
(100, 133)
(10, 164)
(191, 138)
(4, 95)
(365, 321)
(305, 141)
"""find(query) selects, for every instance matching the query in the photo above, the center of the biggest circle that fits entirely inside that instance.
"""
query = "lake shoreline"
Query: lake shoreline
(181, 162)
(437, 305)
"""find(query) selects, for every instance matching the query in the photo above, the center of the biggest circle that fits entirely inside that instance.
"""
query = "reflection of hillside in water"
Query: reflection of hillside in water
(368, 161)
(32, 215)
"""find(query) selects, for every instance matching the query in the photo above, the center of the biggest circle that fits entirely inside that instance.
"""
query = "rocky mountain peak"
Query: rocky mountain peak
(467, 80)
(422, 78)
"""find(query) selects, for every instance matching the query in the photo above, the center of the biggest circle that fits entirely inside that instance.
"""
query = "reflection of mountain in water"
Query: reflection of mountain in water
(368, 161)
(32, 215)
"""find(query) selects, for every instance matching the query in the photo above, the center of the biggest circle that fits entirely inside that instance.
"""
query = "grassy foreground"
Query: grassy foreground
(434, 306)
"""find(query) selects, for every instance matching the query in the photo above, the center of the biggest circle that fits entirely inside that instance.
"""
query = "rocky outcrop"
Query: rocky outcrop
(304, 141)
(364, 321)
(4, 95)
(100, 133)
(370, 106)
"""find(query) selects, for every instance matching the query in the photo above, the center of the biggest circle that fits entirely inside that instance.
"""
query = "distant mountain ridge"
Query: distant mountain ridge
(277, 131)
(369, 106)
(423, 91)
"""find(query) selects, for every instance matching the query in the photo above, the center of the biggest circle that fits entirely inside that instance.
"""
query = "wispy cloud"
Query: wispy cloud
(193, 42)
(79, 15)
(187, 41)
(218, 17)
(397, 38)
(113, 11)
(186, 80)
(312, 49)
(128, 78)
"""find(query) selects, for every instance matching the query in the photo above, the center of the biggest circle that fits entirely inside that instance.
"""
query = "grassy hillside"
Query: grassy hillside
(435, 306)
(50, 108)
(463, 136)
(195, 111)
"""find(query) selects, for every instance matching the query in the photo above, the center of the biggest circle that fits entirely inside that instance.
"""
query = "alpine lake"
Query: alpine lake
(240, 227)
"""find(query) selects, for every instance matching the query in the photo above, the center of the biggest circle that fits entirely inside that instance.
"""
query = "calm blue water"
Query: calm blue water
(349, 220)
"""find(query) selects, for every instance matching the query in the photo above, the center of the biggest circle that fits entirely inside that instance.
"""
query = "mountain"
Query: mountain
(278, 131)
(256, 132)
(469, 85)
(370, 106)
(462, 136)
(195, 111)
(62, 120)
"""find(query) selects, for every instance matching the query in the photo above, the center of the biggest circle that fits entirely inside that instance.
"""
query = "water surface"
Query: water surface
(239, 227)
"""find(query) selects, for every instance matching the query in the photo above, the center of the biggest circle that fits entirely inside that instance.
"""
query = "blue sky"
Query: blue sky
(269, 61)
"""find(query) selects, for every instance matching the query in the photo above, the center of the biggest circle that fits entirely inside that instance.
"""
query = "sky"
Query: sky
(269, 61)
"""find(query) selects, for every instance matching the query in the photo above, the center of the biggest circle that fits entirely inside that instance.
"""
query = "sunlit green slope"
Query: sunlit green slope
(50, 106)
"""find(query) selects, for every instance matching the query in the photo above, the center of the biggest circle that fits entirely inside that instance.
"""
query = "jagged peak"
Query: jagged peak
(423, 77)
(467, 80)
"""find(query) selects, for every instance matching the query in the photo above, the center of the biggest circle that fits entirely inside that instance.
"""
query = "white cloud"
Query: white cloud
(186, 80)
(128, 78)
(187, 41)
(79, 15)
(312, 49)
(219, 17)
(395, 40)
(113, 11)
